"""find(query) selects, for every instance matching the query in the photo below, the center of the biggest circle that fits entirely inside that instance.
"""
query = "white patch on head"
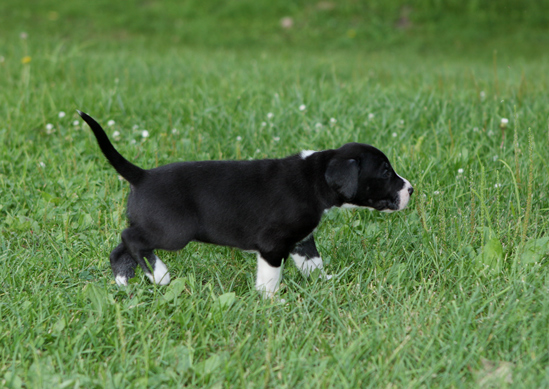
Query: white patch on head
(307, 266)
(403, 198)
(268, 278)
(404, 194)
(161, 275)
(306, 153)
(121, 281)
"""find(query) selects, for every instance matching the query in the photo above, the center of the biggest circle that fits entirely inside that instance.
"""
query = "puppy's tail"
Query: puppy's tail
(133, 174)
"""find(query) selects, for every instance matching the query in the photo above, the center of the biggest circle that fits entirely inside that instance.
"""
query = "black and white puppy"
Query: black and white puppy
(269, 206)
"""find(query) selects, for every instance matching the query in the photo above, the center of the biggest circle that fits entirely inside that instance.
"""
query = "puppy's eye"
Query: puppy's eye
(386, 173)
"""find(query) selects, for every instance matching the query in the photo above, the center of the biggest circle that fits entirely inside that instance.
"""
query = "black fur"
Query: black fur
(269, 206)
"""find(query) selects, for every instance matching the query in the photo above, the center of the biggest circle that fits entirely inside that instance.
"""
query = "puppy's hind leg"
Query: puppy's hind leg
(144, 255)
(160, 274)
(122, 265)
(306, 257)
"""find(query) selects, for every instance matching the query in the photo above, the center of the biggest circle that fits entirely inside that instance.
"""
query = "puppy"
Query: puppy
(270, 207)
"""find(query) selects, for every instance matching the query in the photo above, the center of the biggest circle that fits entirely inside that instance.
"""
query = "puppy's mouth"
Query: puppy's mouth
(391, 205)
(398, 202)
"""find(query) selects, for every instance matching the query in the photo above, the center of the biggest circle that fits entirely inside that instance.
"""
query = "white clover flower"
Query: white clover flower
(111, 123)
(135, 127)
(402, 122)
(318, 125)
(436, 192)
(276, 138)
(76, 123)
(144, 134)
(42, 164)
(460, 171)
(238, 138)
(174, 131)
(333, 121)
(263, 124)
(61, 115)
(371, 116)
(482, 95)
(495, 158)
(498, 185)
(475, 129)
(302, 107)
(286, 22)
(49, 129)
(270, 115)
(23, 35)
(116, 135)
(394, 134)
(133, 141)
(504, 122)
(490, 133)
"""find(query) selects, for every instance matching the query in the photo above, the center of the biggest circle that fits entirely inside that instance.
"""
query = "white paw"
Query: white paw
(121, 281)
(307, 265)
(268, 278)
(161, 275)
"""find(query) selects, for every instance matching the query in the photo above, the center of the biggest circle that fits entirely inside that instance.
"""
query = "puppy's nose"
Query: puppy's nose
(410, 190)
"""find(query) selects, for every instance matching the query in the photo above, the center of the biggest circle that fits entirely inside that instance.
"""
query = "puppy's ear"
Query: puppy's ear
(342, 176)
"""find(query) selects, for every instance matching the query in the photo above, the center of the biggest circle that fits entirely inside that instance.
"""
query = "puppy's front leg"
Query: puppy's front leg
(268, 277)
(306, 257)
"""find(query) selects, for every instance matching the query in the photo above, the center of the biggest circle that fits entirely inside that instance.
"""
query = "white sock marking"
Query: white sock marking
(121, 281)
(307, 266)
(161, 275)
(268, 278)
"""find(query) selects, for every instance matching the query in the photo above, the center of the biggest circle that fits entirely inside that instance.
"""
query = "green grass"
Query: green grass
(451, 292)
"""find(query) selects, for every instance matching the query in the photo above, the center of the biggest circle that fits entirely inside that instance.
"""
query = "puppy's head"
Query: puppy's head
(363, 177)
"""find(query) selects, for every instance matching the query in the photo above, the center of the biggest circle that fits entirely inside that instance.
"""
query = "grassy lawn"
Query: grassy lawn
(451, 292)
